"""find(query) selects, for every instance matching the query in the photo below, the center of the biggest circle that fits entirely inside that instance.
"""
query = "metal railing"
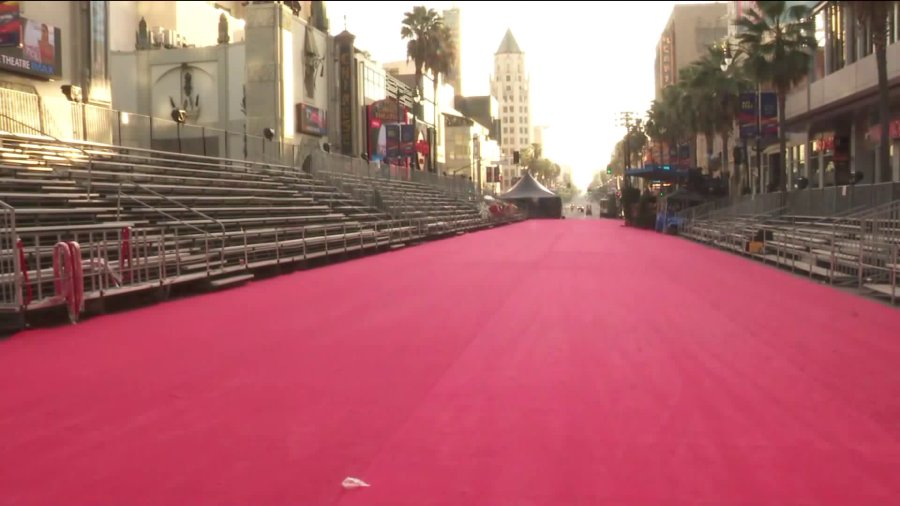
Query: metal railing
(182, 223)
(10, 283)
(4, 117)
(92, 124)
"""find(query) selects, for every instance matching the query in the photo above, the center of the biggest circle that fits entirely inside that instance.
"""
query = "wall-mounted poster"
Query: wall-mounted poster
(10, 24)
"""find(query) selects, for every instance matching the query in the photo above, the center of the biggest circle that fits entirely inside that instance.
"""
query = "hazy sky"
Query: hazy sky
(588, 61)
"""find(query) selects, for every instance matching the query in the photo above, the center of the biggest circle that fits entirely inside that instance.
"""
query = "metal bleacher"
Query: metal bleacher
(857, 248)
(151, 220)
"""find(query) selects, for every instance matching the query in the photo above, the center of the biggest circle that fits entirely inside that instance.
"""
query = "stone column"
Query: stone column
(264, 68)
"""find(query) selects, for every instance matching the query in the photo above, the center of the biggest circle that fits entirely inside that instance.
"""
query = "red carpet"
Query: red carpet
(546, 363)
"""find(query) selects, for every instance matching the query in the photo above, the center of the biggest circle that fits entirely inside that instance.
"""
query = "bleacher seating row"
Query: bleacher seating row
(858, 250)
(147, 219)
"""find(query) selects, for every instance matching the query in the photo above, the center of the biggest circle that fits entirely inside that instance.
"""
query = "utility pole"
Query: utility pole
(629, 120)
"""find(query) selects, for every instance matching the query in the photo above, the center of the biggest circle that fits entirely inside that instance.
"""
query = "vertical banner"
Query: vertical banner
(747, 115)
(100, 89)
(393, 140)
(407, 140)
(769, 115)
(10, 24)
(345, 74)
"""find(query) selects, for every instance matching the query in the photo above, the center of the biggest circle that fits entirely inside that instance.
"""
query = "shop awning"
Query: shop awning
(663, 172)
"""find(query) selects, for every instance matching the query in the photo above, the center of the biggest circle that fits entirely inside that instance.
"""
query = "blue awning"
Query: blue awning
(662, 172)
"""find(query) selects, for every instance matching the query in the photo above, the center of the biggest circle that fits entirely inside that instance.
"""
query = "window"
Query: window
(524, 119)
(837, 35)
(507, 77)
(504, 108)
(520, 78)
(894, 22)
(509, 89)
(524, 141)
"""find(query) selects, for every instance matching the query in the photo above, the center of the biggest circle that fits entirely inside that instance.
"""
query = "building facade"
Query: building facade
(47, 45)
(833, 117)
(510, 85)
(690, 30)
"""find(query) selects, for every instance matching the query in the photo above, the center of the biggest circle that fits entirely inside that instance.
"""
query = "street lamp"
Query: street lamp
(727, 59)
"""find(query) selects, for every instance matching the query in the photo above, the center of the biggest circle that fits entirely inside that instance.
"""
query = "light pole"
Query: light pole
(476, 159)
(727, 61)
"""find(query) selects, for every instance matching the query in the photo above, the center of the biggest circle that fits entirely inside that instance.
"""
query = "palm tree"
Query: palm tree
(701, 92)
(719, 87)
(874, 14)
(665, 123)
(778, 40)
(440, 58)
(420, 27)
(441, 54)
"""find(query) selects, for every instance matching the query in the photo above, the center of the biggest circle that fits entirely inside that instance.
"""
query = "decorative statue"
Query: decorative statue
(313, 63)
(142, 37)
(190, 102)
(223, 29)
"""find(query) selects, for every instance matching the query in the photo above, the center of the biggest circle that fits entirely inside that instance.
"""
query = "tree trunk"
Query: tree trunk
(782, 141)
(709, 137)
(884, 106)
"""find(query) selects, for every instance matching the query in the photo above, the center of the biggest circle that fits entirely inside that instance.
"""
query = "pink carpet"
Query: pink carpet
(545, 363)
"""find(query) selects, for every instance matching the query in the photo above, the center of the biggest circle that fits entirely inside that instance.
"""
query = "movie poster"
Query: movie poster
(39, 45)
(10, 24)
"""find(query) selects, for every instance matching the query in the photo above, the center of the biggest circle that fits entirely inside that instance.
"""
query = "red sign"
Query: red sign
(310, 120)
(824, 144)
(388, 110)
(893, 129)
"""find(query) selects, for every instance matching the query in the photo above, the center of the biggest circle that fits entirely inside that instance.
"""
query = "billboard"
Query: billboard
(389, 135)
(10, 24)
(39, 53)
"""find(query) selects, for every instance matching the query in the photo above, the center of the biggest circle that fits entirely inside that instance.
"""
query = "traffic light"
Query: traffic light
(609, 171)
(515, 157)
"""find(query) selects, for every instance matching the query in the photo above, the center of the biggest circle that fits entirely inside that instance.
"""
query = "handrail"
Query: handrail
(182, 222)
(17, 268)
(201, 214)
(57, 139)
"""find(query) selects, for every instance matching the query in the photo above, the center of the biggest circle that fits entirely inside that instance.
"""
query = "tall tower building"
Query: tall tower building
(452, 21)
(691, 29)
(510, 85)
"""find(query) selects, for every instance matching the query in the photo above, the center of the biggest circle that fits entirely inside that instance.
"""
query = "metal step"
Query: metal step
(230, 281)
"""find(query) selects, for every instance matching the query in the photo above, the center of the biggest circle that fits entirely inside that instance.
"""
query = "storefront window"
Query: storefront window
(814, 164)
(893, 25)
(819, 61)
(836, 35)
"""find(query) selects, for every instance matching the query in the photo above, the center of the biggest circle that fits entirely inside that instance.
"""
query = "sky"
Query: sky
(588, 62)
